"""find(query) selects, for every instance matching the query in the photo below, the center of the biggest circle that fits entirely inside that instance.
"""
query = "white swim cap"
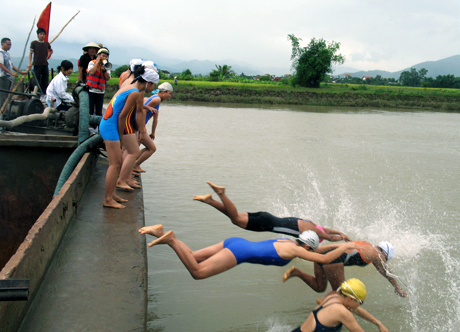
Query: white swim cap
(134, 62)
(151, 75)
(165, 86)
(388, 249)
(310, 238)
(151, 65)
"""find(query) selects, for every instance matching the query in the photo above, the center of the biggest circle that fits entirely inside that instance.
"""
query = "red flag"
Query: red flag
(44, 20)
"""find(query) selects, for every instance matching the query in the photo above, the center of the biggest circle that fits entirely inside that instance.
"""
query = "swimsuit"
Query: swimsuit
(262, 252)
(266, 222)
(355, 258)
(320, 327)
(131, 124)
(108, 128)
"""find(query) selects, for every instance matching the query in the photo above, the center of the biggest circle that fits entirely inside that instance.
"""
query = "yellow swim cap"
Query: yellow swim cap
(354, 288)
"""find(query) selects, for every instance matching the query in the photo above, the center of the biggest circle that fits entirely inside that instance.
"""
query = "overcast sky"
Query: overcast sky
(386, 35)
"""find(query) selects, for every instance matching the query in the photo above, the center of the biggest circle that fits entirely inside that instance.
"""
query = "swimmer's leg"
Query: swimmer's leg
(238, 218)
(132, 149)
(220, 261)
(318, 282)
(115, 159)
(145, 154)
(335, 274)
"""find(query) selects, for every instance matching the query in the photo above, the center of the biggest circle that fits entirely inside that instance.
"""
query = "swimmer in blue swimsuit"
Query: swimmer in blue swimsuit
(152, 106)
(266, 222)
(335, 310)
(334, 272)
(111, 129)
(130, 140)
(223, 256)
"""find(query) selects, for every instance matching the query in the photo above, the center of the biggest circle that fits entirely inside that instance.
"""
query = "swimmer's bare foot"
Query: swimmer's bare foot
(134, 184)
(119, 199)
(125, 188)
(156, 230)
(203, 198)
(292, 272)
(138, 169)
(113, 204)
(165, 239)
(217, 189)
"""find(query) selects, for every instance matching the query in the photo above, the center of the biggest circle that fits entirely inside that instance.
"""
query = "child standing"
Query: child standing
(41, 51)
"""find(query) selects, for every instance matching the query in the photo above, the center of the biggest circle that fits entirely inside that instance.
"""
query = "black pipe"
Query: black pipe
(14, 289)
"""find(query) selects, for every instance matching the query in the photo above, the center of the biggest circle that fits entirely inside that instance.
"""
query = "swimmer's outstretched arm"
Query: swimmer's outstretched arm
(385, 271)
(323, 258)
(335, 235)
(367, 316)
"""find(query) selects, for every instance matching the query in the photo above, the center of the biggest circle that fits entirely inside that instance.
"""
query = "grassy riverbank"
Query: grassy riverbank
(381, 97)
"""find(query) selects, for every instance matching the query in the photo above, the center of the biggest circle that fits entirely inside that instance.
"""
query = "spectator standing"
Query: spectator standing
(89, 55)
(7, 75)
(97, 77)
(41, 51)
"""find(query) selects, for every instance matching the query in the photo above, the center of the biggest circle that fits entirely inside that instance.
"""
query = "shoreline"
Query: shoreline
(379, 97)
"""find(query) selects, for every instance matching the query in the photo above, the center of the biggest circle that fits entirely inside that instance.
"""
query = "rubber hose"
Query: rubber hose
(74, 159)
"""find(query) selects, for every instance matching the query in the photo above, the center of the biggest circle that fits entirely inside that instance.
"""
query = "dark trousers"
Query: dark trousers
(96, 100)
(42, 77)
(5, 83)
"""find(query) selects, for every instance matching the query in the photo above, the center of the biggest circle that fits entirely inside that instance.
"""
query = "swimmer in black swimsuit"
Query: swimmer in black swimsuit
(223, 256)
(334, 272)
(335, 310)
(266, 222)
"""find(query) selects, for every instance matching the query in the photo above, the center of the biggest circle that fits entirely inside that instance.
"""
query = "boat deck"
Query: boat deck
(98, 278)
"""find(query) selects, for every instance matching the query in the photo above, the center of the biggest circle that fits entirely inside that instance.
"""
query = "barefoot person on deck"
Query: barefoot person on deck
(112, 126)
(153, 110)
(336, 309)
(266, 222)
(224, 255)
(364, 254)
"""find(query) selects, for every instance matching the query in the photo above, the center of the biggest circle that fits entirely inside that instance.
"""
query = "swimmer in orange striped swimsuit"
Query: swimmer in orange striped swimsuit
(334, 272)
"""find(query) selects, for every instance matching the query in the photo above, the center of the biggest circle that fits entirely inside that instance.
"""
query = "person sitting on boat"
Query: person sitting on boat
(56, 95)
(152, 104)
(266, 222)
(227, 254)
(336, 309)
(364, 254)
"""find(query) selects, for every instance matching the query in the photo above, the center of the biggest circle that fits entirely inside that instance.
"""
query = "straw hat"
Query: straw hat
(92, 44)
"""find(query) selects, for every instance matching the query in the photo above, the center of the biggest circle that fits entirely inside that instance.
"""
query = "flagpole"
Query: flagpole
(64, 27)
(22, 78)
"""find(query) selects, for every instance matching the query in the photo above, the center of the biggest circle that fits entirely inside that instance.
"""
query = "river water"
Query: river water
(375, 175)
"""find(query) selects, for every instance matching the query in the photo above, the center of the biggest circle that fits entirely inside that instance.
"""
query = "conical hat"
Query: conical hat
(92, 44)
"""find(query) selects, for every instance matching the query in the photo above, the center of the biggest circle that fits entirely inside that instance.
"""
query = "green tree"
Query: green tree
(413, 77)
(186, 75)
(221, 73)
(312, 63)
(265, 78)
(117, 72)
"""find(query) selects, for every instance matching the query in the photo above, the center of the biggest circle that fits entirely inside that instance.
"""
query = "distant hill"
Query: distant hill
(121, 55)
(447, 66)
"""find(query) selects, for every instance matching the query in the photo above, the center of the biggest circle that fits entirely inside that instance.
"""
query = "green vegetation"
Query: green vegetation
(313, 62)
(241, 89)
